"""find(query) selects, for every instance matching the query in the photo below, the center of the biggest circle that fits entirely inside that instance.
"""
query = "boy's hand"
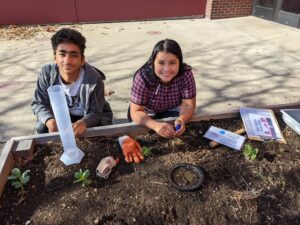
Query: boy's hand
(51, 125)
(79, 128)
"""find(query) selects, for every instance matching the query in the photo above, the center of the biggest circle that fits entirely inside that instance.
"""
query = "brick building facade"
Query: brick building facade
(286, 12)
(219, 9)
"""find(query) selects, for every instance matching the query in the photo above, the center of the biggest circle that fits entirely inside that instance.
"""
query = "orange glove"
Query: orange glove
(132, 150)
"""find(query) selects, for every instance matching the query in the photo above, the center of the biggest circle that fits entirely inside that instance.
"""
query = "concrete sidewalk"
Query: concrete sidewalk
(241, 61)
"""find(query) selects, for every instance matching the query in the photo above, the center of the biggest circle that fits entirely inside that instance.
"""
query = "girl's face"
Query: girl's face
(166, 66)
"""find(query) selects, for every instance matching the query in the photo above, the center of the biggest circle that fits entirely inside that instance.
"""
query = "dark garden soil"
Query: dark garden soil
(235, 190)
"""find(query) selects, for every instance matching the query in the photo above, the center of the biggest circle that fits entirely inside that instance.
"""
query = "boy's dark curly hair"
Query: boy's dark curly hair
(67, 35)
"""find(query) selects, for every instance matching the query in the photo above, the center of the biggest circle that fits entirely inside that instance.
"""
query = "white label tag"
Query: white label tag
(225, 137)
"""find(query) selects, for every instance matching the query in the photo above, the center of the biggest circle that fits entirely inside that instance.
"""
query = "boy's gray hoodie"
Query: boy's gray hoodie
(96, 110)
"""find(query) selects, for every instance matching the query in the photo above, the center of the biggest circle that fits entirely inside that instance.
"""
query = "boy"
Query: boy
(82, 83)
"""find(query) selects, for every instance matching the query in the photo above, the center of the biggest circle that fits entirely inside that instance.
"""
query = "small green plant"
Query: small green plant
(19, 179)
(146, 151)
(249, 152)
(82, 177)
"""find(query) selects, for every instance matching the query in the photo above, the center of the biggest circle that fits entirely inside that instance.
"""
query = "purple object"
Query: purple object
(177, 128)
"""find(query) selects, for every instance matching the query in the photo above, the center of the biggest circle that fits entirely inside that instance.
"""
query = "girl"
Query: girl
(163, 87)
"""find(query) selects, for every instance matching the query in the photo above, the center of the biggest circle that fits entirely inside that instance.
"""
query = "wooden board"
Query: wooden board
(132, 129)
(24, 149)
(6, 163)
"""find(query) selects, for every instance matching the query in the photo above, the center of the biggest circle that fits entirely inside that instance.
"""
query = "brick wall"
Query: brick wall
(219, 9)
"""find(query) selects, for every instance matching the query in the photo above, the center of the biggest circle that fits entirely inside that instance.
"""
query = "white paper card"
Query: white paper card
(225, 137)
(261, 124)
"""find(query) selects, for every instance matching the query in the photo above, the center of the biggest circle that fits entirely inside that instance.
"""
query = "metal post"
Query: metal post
(276, 8)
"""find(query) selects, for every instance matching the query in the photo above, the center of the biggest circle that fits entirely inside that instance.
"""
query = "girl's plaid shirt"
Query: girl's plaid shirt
(156, 97)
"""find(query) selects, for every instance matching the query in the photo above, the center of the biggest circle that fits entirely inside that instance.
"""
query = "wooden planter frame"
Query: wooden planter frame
(22, 147)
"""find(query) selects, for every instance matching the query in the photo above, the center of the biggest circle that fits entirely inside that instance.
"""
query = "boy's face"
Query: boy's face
(69, 60)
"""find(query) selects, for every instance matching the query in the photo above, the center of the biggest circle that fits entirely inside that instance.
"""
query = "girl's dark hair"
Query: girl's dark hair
(169, 46)
(67, 35)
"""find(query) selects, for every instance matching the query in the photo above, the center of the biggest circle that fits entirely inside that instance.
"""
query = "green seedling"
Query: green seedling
(146, 151)
(19, 179)
(249, 152)
(82, 177)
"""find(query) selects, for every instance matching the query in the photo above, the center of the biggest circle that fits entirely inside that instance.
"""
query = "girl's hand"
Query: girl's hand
(165, 130)
(179, 126)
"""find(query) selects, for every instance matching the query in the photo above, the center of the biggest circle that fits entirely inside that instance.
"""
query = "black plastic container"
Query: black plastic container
(186, 177)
